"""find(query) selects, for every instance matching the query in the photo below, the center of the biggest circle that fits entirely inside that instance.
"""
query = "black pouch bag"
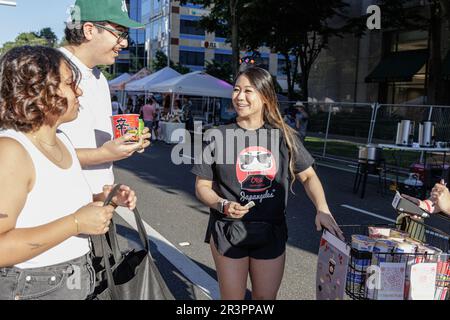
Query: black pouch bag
(128, 275)
(249, 233)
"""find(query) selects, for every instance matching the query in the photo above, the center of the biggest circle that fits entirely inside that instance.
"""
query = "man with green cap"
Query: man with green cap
(96, 33)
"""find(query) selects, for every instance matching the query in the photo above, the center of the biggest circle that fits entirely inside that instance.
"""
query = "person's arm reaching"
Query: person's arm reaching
(315, 192)
(113, 150)
(440, 195)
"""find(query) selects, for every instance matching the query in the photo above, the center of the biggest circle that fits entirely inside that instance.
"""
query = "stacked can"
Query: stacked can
(426, 254)
(382, 251)
(356, 276)
(377, 232)
(398, 234)
(442, 278)
(405, 252)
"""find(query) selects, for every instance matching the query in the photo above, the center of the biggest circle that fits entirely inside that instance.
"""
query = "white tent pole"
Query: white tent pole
(124, 96)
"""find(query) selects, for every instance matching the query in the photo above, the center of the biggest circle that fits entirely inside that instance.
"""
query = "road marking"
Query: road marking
(350, 170)
(188, 157)
(192, 271)
(367, 212)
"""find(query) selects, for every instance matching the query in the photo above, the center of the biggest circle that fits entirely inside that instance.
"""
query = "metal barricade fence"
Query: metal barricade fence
(388, 115)
(336, 129)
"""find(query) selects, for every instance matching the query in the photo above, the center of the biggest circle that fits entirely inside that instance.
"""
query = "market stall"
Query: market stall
(198, 84)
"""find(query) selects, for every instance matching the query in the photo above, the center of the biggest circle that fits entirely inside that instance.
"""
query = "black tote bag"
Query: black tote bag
(128, 275)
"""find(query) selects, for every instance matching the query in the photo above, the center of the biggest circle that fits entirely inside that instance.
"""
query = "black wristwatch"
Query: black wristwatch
(221, 205)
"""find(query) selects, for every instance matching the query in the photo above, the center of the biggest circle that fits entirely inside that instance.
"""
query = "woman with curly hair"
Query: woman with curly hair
(47, 209)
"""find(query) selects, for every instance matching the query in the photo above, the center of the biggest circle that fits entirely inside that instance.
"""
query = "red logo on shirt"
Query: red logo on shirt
(256, 169)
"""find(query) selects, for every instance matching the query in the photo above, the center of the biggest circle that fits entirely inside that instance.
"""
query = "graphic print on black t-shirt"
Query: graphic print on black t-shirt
(256, 169)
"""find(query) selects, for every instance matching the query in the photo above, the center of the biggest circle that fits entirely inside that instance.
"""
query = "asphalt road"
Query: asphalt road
(166, 200)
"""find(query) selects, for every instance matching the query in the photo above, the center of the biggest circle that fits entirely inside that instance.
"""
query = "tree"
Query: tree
(106, 73)
(219, 70)
(49, 35)
(26, 38)
(225, 16)
(298, 32)
(160, 62)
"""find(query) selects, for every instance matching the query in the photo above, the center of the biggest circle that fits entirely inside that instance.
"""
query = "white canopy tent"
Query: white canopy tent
(122, 78)
(200, 84)
(153, 79)
(195, 83)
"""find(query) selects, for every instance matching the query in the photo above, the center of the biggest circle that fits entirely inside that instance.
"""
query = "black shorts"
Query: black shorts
(272, 249)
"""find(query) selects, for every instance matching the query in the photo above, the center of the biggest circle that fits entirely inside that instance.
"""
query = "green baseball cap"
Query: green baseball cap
(114, 11)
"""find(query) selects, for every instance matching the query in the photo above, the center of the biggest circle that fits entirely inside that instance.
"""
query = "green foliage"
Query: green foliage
(45, 37)
(23, 39)
(160, 62)
(301, 31)
(222, 71)
(49, 36)
(106, 73)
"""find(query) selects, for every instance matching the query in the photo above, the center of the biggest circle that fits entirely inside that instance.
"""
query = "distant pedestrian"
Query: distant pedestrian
(289, 118)
(116, 106)
(148, 113)
(301, 120)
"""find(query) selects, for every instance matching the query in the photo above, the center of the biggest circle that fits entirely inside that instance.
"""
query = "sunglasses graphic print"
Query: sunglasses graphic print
(256, 169)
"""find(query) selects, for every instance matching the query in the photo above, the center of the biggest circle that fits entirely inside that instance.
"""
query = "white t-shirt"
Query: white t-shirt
(56, 193)
(93, 126)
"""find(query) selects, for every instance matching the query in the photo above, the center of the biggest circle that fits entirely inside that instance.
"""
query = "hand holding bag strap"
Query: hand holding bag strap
(112, 233)
(140, 225)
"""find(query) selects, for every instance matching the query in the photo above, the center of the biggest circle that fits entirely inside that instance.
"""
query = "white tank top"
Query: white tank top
(56, 193)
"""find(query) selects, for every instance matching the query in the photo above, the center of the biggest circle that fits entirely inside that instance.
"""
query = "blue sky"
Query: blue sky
(33, 15)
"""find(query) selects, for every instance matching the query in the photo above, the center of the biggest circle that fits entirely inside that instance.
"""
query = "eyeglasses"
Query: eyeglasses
(119, 34)
(263, 158)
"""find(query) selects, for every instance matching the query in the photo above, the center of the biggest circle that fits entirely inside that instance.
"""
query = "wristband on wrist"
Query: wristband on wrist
(222, 204)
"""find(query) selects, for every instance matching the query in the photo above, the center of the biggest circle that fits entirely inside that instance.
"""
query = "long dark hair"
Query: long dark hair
(263, 83)
(29, 82)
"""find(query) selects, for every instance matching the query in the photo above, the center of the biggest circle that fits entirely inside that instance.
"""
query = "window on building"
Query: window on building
(411, 92)
(191, 27)
(223, 58)
(192, 58)
(409, 40)
(156, 30)
(157, 5)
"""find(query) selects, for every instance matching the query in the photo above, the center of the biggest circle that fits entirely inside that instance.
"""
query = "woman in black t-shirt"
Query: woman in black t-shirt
(259, 169)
